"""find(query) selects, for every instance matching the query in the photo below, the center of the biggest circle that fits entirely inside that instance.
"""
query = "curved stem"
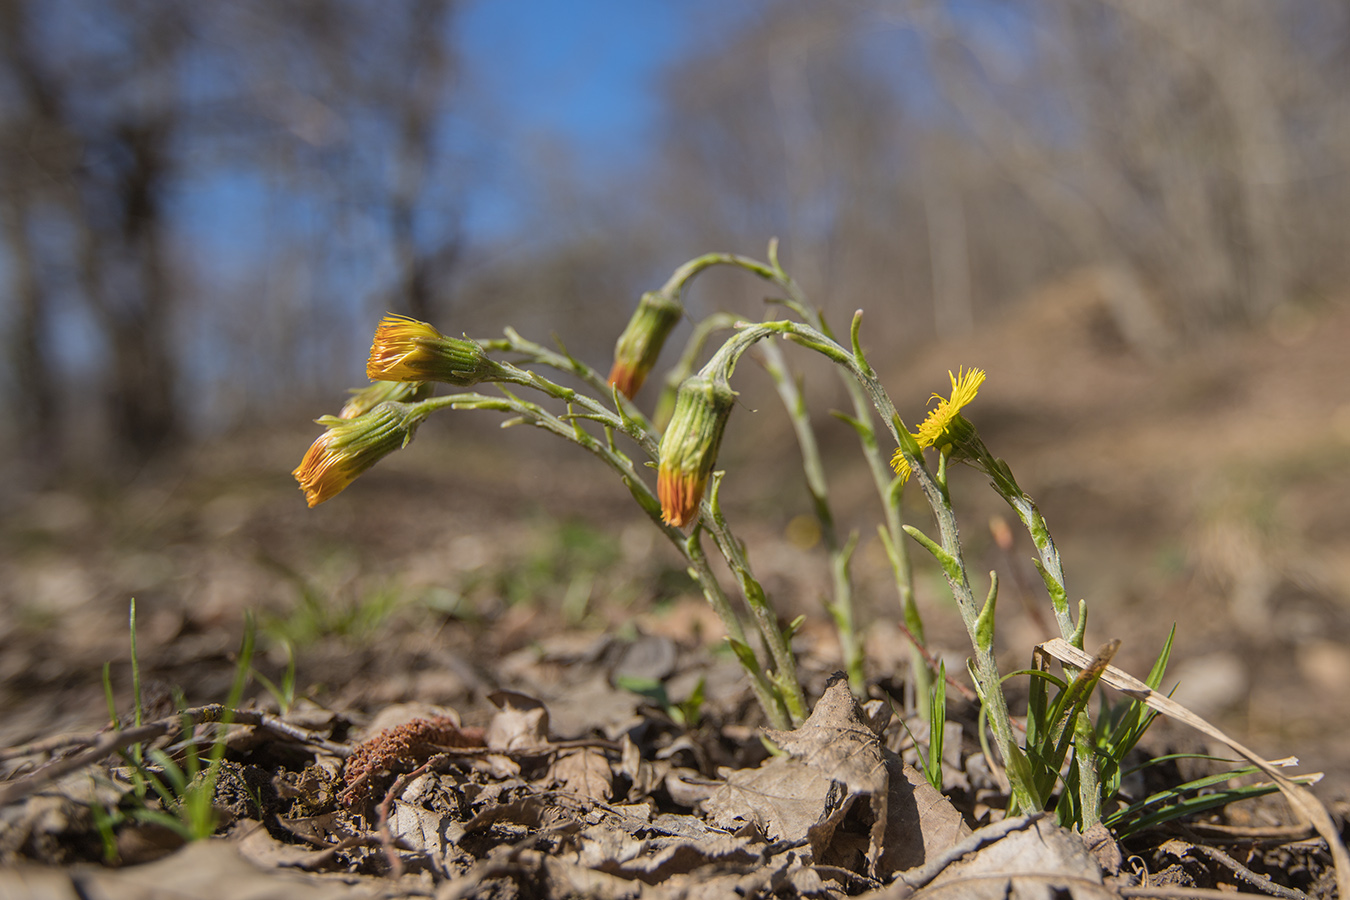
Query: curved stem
(731, 548)
(841, 606)
(985, 668)
(688, 547)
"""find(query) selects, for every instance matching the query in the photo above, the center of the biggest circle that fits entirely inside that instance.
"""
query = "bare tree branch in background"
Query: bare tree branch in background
(948, 246)
(105, 170)
(339, 107)
(787, 130)
(1162, 140)
(1029, 159)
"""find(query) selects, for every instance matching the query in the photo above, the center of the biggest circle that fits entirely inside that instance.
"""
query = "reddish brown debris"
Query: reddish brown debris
(402, 748)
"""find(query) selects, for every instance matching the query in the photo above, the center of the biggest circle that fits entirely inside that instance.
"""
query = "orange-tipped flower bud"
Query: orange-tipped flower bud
(640, 344)
(689, 446)
(408, 350)
(350, 446)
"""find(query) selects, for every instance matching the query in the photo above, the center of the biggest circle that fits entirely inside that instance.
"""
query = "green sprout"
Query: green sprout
(175, 790)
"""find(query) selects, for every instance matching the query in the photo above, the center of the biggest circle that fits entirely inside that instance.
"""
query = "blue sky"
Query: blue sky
(586, 70)
(582, 75)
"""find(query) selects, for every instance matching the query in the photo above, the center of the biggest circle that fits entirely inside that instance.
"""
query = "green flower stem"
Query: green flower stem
(985, 669)
(684, 273)
(785, 664)
(841, 607)
(1051, 570)
(531, 413)
(636, 428)
(889, 489)
(1049, 565)
(684, 367)
(633, 423)
(770, 700)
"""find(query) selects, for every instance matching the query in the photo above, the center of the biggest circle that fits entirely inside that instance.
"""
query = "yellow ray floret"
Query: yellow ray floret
(400, 349)
(934, 430)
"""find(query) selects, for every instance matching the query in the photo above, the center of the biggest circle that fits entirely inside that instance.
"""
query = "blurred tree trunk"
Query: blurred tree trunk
(428, 79)
(34, 397)
(32, 386)
(105, 172)
(122, 269)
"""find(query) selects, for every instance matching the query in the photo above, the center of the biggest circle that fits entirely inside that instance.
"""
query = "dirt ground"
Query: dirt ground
(1206, 488)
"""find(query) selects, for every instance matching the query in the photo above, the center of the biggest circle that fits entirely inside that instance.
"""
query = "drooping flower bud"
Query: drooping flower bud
(371, 396)
(350, 446)
(640, 344)
(405, 349)
(690, 444)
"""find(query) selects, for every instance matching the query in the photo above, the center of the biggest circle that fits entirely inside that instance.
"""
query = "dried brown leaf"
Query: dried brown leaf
(921, 823)
(832, 761)
(785, 797)
(216, 869)
(584, 772)
(1043, 861)
(658, 860)
(521, 722)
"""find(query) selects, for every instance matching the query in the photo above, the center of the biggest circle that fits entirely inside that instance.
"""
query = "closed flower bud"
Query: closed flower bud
(640, 344)
(689, 446)
(408, 350)
(350, 446)
(367, 398)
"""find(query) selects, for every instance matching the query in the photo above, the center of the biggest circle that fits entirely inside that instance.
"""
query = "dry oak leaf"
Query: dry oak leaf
(811, 794)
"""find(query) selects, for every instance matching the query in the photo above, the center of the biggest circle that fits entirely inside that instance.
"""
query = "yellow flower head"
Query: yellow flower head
(350, 446)
(944, 426)
(405, 349)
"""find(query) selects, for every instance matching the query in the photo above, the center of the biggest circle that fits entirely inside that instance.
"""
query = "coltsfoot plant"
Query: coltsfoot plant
(681, 441)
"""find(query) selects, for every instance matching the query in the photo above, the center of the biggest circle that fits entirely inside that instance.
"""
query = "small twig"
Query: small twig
(1179, 893)
(966, 693)
(848, 877)
(386, 806)
(46, 745)
(1255, 879)
(326, 851)
(528, 752)
(102, 744)
(1244, 834)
